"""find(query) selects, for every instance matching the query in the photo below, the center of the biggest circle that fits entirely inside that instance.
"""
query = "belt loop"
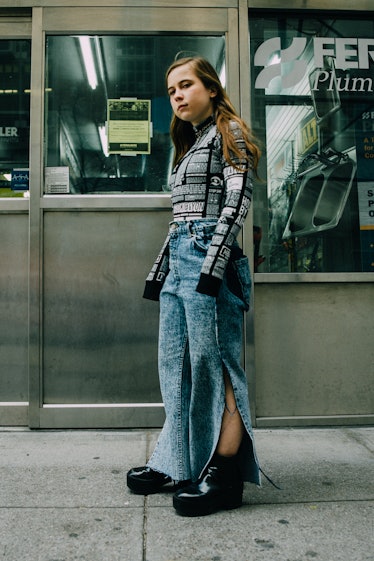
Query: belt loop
(189, 226)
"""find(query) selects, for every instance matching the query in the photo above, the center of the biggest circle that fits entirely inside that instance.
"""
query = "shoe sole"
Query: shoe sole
(190, 508)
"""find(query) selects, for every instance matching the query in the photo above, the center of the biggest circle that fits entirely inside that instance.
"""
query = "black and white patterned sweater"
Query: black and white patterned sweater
(205, 186)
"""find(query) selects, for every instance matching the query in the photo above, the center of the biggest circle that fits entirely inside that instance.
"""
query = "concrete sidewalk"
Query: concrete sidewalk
(63, 497)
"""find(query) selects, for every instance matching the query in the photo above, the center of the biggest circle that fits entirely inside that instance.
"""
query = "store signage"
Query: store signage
(20, 179)
(14, 140)
(8, 131)
(364, 135)
(308, 135)
(370, 202)
(346, 53)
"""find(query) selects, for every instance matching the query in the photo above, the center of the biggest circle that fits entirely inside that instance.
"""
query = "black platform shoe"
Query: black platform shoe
(219, 488)
(146, 481)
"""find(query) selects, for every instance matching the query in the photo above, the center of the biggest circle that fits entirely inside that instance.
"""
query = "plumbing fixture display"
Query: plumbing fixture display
(322, 195)
(312, 101)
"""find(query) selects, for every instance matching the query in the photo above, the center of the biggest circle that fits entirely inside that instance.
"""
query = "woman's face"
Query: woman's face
(190, 99)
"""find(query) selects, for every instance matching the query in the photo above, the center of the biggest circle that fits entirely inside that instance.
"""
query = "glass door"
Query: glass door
(102, 206)
(15, 56)
(107, 114)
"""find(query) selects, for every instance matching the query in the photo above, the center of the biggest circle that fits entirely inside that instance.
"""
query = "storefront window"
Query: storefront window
(107, 113)
(14, 117)
(313, 111)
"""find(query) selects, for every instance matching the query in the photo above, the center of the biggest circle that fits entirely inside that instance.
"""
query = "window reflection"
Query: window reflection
(312, 96)
(82, 74)
(14, 117)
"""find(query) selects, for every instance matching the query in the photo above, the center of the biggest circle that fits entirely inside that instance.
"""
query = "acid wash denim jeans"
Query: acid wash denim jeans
(199, 336)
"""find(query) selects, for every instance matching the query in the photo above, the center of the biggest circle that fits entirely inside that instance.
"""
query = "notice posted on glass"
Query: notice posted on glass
(56, 180)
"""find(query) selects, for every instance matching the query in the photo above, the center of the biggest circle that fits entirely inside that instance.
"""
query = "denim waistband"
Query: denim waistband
(193, 227)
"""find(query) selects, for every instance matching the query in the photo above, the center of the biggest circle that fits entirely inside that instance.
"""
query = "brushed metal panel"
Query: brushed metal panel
(15, 29)
(13, 307)
(142, 201)
(314, 350)
(311, 421)
(99, 334)
(366, 5)
(109, 417)
(14, 414)
(36, 175)
(204, 20)
(312, 277)
(122, 3)
(14, 205)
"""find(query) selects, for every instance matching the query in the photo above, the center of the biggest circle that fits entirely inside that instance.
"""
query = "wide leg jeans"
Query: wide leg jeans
(200, 336)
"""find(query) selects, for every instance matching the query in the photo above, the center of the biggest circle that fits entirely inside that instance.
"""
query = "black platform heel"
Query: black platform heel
(219, 488)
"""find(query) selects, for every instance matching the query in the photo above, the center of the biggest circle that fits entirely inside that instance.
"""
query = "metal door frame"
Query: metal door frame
(92, 20)
(11, 27)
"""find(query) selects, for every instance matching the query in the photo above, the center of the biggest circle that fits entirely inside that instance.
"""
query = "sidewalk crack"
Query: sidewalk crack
(145, 526)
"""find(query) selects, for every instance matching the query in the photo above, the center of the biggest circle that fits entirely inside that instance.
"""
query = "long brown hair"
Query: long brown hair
(182, 133)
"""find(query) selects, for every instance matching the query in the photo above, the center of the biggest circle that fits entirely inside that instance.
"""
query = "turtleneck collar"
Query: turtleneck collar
(201, 128)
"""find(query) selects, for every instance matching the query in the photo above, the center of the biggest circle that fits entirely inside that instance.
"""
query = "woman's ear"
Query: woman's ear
(213, 92)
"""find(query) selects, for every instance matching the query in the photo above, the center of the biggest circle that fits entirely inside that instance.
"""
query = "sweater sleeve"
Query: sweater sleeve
(237, 196)
(158, 273)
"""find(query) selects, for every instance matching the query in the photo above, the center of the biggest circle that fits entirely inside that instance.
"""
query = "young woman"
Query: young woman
(202, 280)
